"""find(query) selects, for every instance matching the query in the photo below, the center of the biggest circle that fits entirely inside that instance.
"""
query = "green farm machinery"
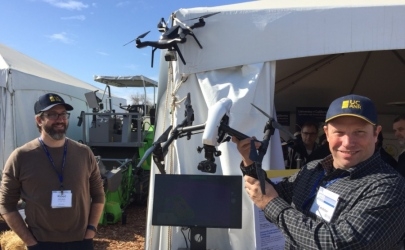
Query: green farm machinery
(119, 140)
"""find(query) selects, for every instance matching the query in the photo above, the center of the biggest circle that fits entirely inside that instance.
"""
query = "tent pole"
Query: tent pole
(327, 58)
(307, 74)
(400, 58)
(360, 72)
(144, 90)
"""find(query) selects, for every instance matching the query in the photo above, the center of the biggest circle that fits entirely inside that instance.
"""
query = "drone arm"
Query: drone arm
(158, 158)
(192, 128)
(199, 24)
(232, 132)
(178, 132)
(153, 56)
(179, 52)
(195, 38)
(268, 132)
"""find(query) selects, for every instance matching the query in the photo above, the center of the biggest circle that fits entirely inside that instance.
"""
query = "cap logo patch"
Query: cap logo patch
(54, 98)
(351, 104)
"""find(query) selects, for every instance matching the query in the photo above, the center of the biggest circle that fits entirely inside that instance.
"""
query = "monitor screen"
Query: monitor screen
(210, 201)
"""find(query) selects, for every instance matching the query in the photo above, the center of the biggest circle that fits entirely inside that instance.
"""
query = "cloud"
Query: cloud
(123, 3)
(79, 17)
(102, 53)
(61, 37)
(69, 4)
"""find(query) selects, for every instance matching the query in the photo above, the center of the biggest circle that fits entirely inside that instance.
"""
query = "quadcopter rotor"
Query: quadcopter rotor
(205, 16)
(143, 35)
(137, 39)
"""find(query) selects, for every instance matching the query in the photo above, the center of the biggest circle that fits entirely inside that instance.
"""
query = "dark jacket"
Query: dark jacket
(401, 164)
(298, 156)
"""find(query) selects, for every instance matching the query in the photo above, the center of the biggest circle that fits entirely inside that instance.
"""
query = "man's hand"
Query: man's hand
(243, 147)
(252, 187)
(90, 234)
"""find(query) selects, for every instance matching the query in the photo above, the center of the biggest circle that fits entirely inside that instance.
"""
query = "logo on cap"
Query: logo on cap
(53, 98)
(351, 104)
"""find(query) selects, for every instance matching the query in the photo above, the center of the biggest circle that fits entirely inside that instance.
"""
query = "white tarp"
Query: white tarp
(241, 47)
(243, 85)
(22, 81)
(262, 31)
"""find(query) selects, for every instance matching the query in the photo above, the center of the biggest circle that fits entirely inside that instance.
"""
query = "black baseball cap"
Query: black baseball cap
(47, 101)
(353, 105)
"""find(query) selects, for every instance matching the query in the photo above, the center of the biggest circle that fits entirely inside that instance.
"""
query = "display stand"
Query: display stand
(198, 239)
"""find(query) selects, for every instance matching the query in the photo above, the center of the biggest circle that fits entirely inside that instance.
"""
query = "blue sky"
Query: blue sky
(86, 38)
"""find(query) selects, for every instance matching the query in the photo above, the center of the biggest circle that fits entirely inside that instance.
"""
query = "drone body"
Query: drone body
(171, 37)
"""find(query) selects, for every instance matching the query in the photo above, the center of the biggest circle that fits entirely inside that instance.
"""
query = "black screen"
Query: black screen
(197, 201)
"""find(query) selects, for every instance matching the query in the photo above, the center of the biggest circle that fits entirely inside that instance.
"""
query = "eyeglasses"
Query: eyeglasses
(55, 116)
(308, 134)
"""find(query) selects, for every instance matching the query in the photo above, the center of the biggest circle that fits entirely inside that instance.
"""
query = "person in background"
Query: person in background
(300, 153)
(351, 199)
(323, 150)
(59, 181)
(399, 131)
(385, 156)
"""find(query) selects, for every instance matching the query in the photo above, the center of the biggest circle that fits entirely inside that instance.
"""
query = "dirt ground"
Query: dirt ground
(128, 236)
(118, 236)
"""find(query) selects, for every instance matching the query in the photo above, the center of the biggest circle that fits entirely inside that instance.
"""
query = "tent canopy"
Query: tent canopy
(126, 81)
(323, 49)
(17, 61)
(22, 81)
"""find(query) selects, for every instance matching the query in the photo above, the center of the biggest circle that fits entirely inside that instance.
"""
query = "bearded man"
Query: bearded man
(59, 181)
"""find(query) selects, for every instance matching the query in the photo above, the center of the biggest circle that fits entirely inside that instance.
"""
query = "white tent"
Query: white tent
(278, 55)
(22, 81)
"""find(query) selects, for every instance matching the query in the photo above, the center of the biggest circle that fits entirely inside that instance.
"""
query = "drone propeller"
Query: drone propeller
(183, 24)
(275, 124)
(205, 16)
(146, 155)
(141, 36)
(161, 139)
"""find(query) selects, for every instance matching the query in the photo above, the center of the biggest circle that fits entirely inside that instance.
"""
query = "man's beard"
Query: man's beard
(58, 134)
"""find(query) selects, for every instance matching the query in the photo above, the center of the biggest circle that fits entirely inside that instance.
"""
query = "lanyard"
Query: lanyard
(316, 185)
(60, 176)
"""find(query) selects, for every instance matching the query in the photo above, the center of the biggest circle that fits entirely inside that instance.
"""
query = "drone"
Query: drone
(215, 131)
(171, 37)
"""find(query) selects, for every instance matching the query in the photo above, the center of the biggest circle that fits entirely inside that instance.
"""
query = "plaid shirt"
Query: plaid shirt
(370, 213)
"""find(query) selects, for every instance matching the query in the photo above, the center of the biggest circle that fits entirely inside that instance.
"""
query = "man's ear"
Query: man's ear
(378, 130)
(38, 120)
(325, 130)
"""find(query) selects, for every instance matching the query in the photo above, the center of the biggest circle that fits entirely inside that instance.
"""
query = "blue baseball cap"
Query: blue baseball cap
(353, 105)
(47, 101)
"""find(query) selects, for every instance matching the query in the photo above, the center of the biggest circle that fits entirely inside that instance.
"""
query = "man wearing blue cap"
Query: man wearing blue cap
(349, 200)
(59, 181)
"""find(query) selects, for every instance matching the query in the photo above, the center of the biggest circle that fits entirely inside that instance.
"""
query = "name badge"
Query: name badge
(325, 204)
(61, 199)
